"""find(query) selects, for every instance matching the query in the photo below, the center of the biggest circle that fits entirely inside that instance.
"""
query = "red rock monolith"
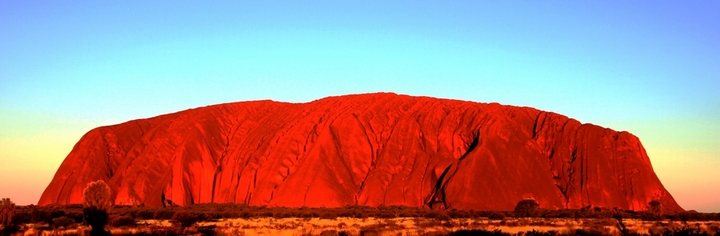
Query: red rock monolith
(369, 149)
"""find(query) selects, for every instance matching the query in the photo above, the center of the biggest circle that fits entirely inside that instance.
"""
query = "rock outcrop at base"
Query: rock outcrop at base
(368, 149)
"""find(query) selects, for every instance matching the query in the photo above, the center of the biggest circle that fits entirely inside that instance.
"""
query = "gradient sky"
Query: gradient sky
(649, 67)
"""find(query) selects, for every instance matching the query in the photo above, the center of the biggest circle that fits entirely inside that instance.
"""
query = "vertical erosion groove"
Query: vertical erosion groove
(535, 126)
(438, 193)
(473, 144)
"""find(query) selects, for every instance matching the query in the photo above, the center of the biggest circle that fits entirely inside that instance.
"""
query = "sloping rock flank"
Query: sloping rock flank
(370, 149)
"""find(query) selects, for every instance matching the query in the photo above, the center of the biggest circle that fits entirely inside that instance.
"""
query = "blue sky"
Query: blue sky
(649, 67)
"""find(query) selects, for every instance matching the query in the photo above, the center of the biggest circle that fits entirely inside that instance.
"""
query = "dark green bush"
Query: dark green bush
(526, 208)
(386, 215)
(63, 222)
(124, 220)
(163, 214)
(443, 216)
(21, 217)
(38, 215)
(497, 216)
(328, 215)
(457, 214)
(143, 214)
(185, 219)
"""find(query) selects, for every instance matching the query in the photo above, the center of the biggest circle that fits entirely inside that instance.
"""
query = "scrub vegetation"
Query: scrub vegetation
(235, 219)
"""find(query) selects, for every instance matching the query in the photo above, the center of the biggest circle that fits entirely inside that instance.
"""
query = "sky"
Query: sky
(648, 67)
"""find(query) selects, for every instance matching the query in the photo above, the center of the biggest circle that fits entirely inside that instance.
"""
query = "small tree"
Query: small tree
(96, 201)
(7, 211)
(526, 208)
(655, 207)
(97, 194)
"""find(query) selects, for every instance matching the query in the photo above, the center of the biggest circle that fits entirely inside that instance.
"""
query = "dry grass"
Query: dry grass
(391, 226)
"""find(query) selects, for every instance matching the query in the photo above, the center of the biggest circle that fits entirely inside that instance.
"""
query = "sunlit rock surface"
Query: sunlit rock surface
(369, 149)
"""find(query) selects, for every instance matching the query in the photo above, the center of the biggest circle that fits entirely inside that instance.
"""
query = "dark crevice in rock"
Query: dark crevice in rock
(472, 146)
(218, 169)
(373, 157)
(223, 155)
(438, 195)
(192, 198)
(564, 193)
(535, 125)
(573, 155)
(108, 157)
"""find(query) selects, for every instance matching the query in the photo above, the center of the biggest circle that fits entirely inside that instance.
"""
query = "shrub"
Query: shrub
(62, 222)
(163, 214)
(565, 214)
(77, 216)
(457, 214)
(685, 230)
(526, 208)
(647, 216)
(144, 214)
(246, 215)
(443, 216)
(497, 216)
(345, 213)
(20, 218)
(38, 215)
(7, 211)
(655, 207)
(328, 215)
(360, 214)
(265, 214)
(160, 230)
(185, 219)
(386, 215)
(124, 220)
(408, 214)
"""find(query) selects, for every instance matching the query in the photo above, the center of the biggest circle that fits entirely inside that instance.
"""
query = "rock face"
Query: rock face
(369, 149)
